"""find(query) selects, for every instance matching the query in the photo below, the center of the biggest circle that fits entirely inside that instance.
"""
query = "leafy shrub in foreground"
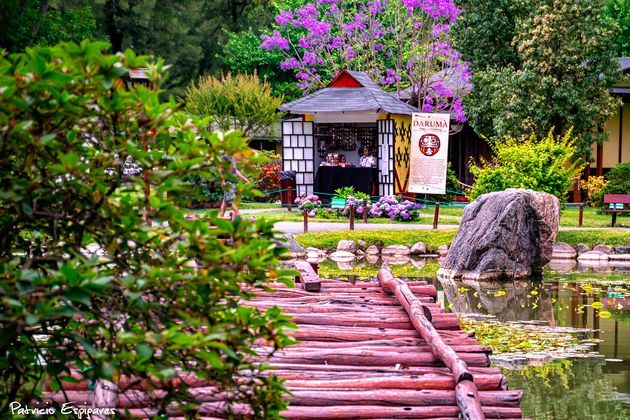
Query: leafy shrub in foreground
(85, 283)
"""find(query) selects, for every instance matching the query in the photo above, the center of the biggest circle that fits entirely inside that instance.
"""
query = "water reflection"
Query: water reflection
(570, 295)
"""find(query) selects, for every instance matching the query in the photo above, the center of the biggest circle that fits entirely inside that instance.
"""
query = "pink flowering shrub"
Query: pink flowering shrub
(309, 202)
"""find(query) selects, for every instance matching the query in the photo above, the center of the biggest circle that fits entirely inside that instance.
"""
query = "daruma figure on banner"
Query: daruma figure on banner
(429, 144)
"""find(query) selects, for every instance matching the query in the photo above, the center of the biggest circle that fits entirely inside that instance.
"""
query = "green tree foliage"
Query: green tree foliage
(242, 54)
(552, 68)
(545, 164)
(619, 12)
(618, 179)
(240, 102)
(25, 23)
(85, 283)
(189, 34)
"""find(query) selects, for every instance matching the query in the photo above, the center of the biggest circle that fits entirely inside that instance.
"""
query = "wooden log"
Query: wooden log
(333, 350)
(397, 397)
(368, 369)
(469, 403)
(412, 382)
(326, 308)
(467, 395)
(219, 410)
(417, 316)
(382, 412)
(105, 396)
(337, 298)
(337, 284)
(369, 358)
(393, 343)
(280, 293)
(440, 321)
(338, 334)
(308, 277)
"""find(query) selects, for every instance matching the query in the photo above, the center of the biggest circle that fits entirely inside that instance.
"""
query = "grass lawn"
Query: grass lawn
(435, 238)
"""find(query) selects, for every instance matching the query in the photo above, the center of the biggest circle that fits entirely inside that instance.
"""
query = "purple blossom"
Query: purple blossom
(284, 18)
(274, 41)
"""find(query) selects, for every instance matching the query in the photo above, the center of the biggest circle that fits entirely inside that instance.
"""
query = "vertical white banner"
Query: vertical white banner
(429, 153)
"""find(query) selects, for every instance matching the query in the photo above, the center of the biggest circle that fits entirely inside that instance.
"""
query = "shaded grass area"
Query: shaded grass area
(435, 238)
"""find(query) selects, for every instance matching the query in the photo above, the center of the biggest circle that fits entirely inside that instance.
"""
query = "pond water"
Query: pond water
(595, 298)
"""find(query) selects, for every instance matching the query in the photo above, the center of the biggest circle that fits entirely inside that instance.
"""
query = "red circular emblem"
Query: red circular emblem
(429, 144)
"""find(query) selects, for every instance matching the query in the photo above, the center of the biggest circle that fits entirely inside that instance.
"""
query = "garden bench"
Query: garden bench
(616, 205)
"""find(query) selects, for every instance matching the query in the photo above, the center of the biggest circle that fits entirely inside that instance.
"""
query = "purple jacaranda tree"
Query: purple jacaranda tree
(402, 44)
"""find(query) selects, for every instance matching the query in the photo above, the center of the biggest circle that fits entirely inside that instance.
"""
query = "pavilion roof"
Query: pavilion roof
(350, 91)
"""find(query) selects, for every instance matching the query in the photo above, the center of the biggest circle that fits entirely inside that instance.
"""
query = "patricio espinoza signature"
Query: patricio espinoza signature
(65, 409)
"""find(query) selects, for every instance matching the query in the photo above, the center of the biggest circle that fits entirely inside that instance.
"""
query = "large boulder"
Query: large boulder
(504, 234)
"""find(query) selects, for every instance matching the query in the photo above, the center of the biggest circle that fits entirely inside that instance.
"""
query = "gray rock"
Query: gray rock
(360, 252)
(396, 259)
(606, 249)
(372, 250)
(593, 256)
(619, 257)
(347, 245)
(371, 259)
(342, 256)
(563, 251)
(442, 250)
(419, 248)
(362, 244)
(582, 248)
(562, 266)
(346, 265)
(396, 250)
(504, 234)
(622, 249)
(419, 263)
(292, 245)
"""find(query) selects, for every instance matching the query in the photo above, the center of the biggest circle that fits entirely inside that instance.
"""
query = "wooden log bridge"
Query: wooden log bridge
(381, 350)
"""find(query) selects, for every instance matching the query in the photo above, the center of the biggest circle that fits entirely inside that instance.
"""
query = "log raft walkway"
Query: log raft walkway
(372, 350)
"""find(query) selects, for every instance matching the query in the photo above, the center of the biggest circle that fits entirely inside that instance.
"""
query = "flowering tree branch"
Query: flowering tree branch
(401, 44)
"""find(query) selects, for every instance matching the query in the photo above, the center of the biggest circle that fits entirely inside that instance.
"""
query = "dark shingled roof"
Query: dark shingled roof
(369, 98)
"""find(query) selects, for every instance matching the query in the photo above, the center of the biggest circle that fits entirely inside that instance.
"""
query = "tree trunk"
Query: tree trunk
(43, 8)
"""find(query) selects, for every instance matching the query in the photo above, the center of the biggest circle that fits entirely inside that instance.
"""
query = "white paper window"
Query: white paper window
(298, 154)
(308, 128)
(308, 153)
(287, 128)
(302, 166)
(299, 178)
(308, 178)
(309, 166)
(288, 154)
(297, 128)
(309, 141)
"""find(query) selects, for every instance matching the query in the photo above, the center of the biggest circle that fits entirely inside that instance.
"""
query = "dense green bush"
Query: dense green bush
(546, 164)
(242, 102)
(85, 282)
(618, 179)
